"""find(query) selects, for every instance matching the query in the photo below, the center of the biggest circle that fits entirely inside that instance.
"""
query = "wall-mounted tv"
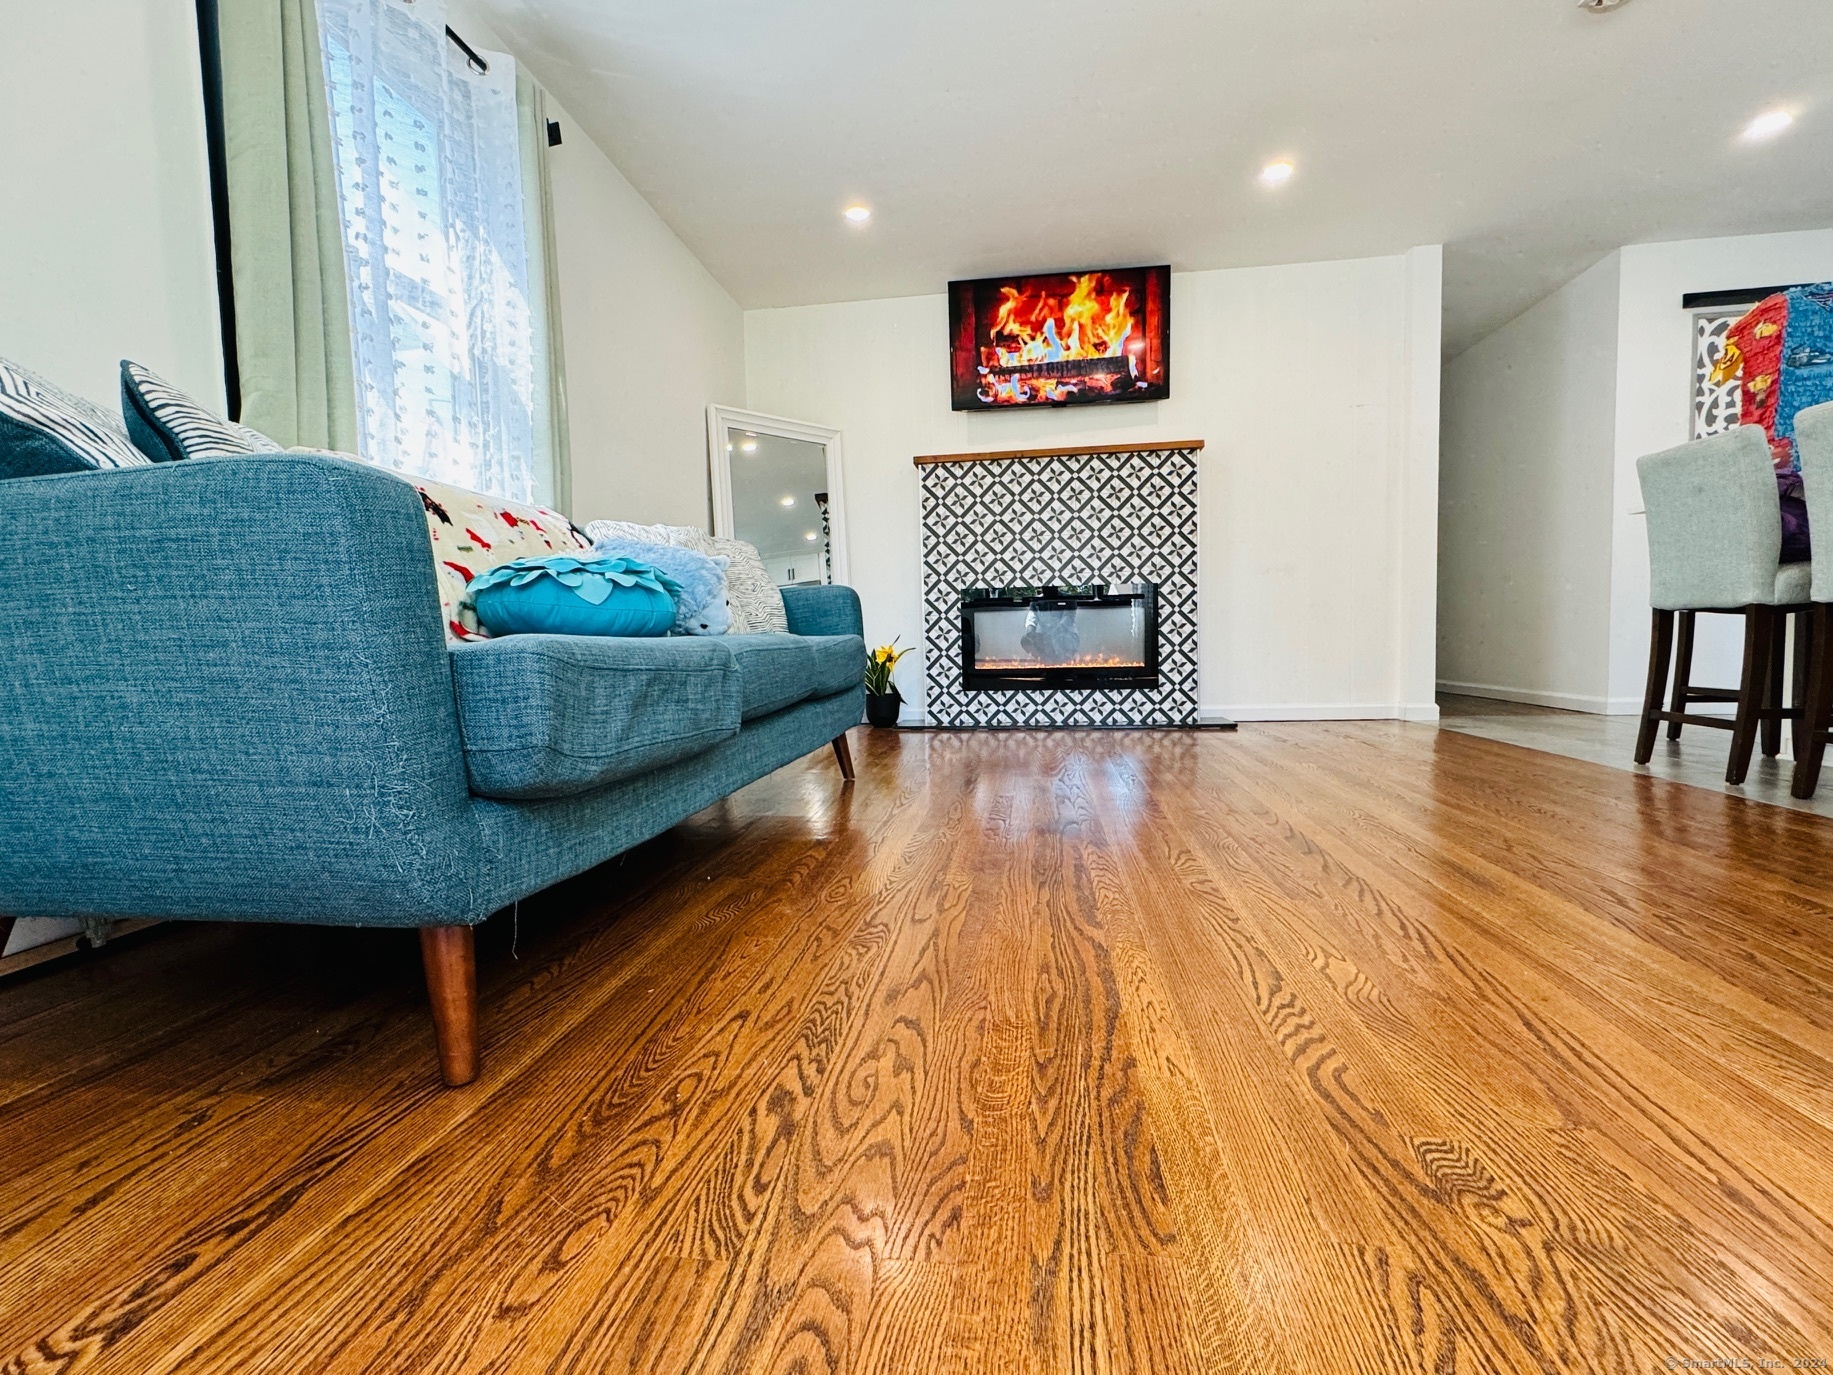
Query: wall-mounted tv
(1060, 339)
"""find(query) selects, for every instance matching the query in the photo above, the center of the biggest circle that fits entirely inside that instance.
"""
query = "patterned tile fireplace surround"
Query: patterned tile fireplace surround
(1059, 516)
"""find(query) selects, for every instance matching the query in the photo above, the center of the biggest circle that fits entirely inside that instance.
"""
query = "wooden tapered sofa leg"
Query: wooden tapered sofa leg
(844, 753)
(450, 956)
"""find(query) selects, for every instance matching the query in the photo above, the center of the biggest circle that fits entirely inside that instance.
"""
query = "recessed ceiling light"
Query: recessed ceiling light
(786, 501)
(749, 446)
(858, 214)
(810, 537)
(1277, 173)
(1767, 125)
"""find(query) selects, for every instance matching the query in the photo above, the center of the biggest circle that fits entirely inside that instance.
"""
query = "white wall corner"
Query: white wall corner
(1417, 466)
(1526, 487)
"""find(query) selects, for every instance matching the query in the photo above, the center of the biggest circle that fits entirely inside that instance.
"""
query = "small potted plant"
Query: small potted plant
(882, 697)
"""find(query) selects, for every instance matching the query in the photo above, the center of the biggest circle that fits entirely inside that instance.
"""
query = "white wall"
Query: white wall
(651, 341)
(1654, 385)
(1302, 380)
(105, 222)
(1528, 457)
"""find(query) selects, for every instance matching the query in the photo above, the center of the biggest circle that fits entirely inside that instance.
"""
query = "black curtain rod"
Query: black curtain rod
(470, 52)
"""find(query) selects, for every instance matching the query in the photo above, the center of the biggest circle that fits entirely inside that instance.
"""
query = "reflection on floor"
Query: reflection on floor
(1698, 757)
(1327, 1046)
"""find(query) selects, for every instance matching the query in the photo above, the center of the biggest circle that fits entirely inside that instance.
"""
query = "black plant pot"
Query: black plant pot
(882, 707)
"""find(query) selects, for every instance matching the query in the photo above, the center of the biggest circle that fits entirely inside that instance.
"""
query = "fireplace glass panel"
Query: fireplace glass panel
(1031, 638)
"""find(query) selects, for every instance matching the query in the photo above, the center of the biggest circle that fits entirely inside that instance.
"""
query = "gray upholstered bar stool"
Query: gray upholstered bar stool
(1814, 442)
(1715, 544)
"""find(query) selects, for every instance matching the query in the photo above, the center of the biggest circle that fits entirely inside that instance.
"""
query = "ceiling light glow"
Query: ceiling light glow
(786, 501)
(1767, 125)
(749, 446)
(1277, 173)
(858, 214)
(810, 537)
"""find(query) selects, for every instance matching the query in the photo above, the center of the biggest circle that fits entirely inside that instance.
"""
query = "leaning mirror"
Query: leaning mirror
(776, 484)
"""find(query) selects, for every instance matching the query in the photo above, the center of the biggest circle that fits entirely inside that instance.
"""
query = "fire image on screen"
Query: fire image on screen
(1060, 339)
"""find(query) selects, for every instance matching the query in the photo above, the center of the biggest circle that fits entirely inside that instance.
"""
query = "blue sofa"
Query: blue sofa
(226, 694)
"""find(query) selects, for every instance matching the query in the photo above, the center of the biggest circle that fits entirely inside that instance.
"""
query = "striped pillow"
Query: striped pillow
(168, 424)
(44, 429)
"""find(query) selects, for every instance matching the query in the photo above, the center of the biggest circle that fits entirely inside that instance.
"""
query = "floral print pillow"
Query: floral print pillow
(473, 533)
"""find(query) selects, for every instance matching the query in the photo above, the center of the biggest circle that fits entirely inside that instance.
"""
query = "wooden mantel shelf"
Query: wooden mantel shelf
(922, 460)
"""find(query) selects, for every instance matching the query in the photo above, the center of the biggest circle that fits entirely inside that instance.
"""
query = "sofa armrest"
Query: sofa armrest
(823, 611)
(226, 694)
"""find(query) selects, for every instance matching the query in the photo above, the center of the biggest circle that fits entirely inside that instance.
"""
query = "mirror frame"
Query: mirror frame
(719, 467)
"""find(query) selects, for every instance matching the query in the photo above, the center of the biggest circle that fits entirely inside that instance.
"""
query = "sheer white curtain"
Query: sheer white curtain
(430, 182)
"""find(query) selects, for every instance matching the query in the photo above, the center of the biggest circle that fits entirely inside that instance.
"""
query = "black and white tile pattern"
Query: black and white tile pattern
(1071, 518)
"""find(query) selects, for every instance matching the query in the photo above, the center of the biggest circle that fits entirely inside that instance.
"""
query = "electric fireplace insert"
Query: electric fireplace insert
(1088, 635)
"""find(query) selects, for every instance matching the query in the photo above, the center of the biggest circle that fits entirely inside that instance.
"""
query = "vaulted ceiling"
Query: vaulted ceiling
(1526, 135)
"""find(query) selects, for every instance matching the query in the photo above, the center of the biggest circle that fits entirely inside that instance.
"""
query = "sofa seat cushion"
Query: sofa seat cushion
(555, 715)
(775, 671)
(840, 662)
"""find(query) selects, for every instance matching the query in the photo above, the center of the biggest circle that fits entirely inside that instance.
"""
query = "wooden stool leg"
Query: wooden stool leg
(1772, 688)
(450, 956)
(1660, 647)
(1683, 670)
(1817, 710)
(1753, 688)
(843, 753)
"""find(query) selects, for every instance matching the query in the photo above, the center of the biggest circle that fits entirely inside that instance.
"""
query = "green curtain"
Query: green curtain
(285, 233)
(544, 293)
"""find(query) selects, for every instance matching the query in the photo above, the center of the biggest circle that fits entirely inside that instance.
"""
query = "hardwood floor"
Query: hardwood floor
(1356, 1047)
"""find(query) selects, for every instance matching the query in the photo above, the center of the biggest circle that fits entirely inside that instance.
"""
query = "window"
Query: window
(429, 174)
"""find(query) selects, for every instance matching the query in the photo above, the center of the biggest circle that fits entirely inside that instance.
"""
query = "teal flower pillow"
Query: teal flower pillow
(558, 595)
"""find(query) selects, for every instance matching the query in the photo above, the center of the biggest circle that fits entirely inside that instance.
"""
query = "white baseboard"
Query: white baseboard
(1288, 711)
(1322, 711)
(1533, 697)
